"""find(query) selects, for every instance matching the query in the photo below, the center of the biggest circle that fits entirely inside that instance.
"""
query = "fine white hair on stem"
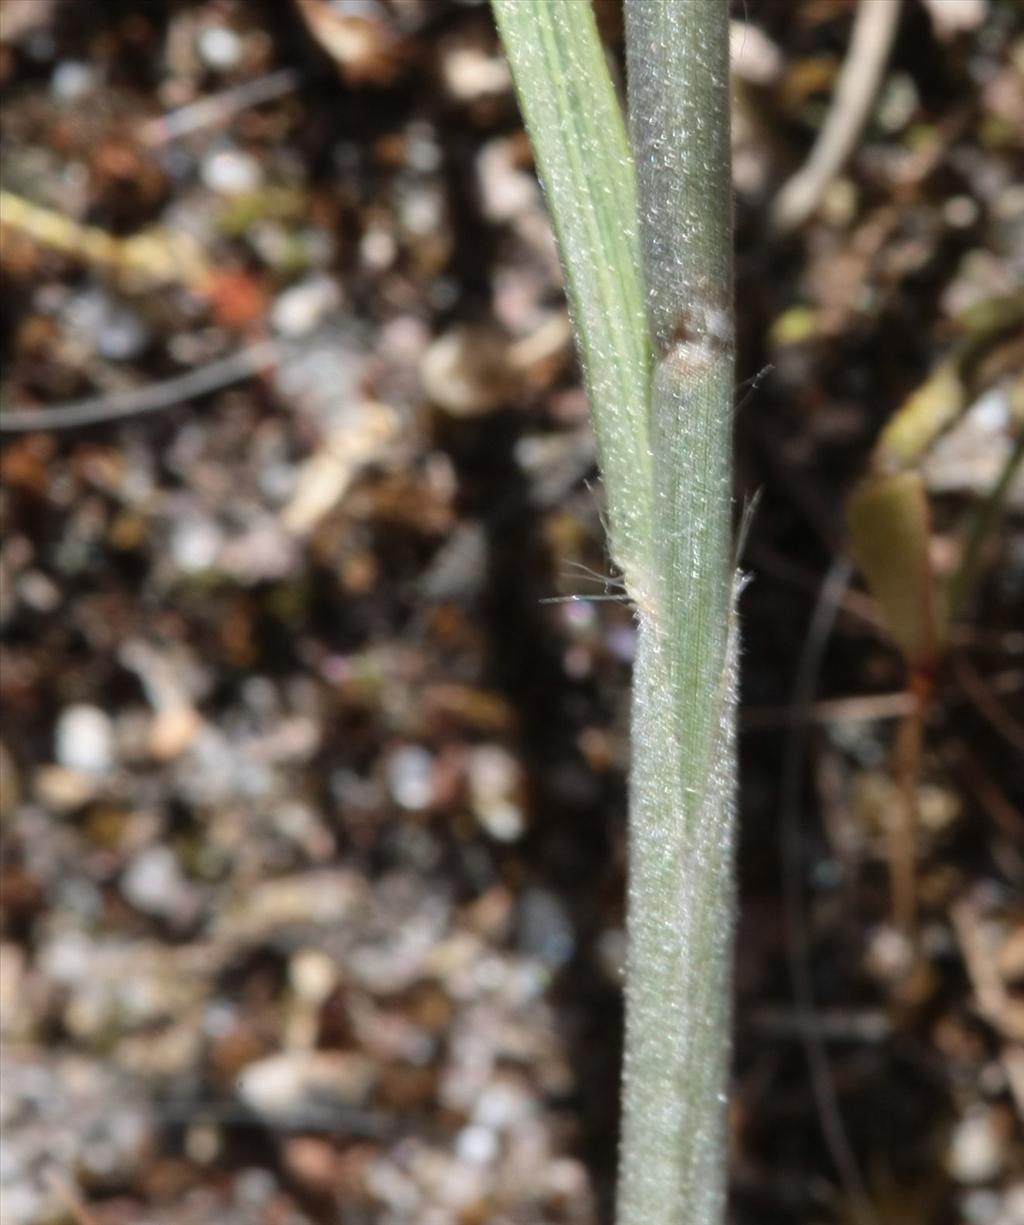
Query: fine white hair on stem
(583, 598)
(749, 386)
(607, 580)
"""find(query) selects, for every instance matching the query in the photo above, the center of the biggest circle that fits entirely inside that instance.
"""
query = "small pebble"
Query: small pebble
(65, 959)
(621, 642)
(961, 212)
(107, 325)
(203, 1143)
(377, 248)
(898, 102)
(299, 309)
(1014, 1205)
(466, 371)
(122, 337)
(477, 1145)
(195, 543)
(422, 212)
(471, 73)
(229, 172)
(219, 48)
(312, 974)
(506, 188)
(115, 1146)
(26, 1204)
(422, 151)
(494, 781)
(503, 1105)
(410, 774)
(39, 591)
(85, 740)
(976, 1152)
(254, 1187)
(754, 57)
(889, 954)
(154, 883)
(545, 928)
(296, 1085)
(72, 81)
(313, 1162)
(980, 1207)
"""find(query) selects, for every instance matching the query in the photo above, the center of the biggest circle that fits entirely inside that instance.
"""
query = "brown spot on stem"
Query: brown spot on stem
(695, 341)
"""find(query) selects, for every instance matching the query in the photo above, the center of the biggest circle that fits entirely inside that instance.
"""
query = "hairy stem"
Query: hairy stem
(649, 278)
(673, 1153)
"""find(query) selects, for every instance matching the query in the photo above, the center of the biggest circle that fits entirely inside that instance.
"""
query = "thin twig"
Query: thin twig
(865, 1026)
(829, 601)
(859, 708)
(218, 108)
(782, 569)
(148, 398)
(977, 781)
(874, 28)
(902, 830)
(987, 704)
(990, 994)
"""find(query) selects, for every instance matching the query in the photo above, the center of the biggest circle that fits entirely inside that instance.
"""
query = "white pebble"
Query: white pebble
(71, 81)
(107, 324)
(502, 1106)
(477, 1145)
(153, 883)
(410, 772)
(980, 1207)
(293, 1083)
(229, 172)
(122, 337)
(299, 309)
(312, 974)
(219, 47)
(195, 544)
(85, 740)
(976, 1151)
(255, 1187)
(494, 778)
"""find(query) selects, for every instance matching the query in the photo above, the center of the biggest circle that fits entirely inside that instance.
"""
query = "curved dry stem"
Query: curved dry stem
(149, 398)
(874, 28)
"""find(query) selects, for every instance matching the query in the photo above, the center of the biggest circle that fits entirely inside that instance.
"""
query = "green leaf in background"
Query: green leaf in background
(890, 523)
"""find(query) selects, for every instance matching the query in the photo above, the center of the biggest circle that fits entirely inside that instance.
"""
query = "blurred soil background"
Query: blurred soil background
(312, 779)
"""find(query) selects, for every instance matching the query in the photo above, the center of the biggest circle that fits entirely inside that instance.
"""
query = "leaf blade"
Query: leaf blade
(584, 161)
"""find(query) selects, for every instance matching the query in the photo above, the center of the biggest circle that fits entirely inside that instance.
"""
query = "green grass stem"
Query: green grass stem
(649, 278)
